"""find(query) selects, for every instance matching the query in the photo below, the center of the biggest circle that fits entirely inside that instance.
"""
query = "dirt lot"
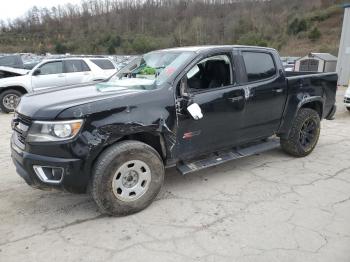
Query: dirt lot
(270, 207)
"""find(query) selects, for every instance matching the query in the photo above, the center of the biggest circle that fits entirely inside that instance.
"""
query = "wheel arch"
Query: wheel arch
(315, 103)
(17, 88)
(292, 109)
(152, 139)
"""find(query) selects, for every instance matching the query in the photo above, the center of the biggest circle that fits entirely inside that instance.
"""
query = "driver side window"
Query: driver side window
(51, 68)
(210, 73)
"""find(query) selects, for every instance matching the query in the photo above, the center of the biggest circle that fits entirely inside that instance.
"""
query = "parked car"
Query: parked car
(50, 74)
(347, 98)
(22, 61)
(14, 61)
(189, 107)
(289, 63)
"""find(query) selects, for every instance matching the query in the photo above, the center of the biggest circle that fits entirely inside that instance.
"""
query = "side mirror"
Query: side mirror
(37, 72)
(195, 111)
(183, 87)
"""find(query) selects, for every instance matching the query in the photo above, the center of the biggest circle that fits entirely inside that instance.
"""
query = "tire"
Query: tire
(302, 142)
(111, 186)
(9, 100)
(348, 108)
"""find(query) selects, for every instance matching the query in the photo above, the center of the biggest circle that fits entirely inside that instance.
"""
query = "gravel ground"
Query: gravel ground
(269, 207)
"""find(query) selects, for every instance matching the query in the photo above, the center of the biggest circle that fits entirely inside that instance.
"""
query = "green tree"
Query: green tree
(142, 44)
(111, 49)
(314, 34)
(297, 26)
(252, 38)
(61, 48)
(110, 42)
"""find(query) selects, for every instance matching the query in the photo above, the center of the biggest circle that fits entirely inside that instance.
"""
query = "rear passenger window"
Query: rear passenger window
(104, 64)
(259, 66)
(74, 66)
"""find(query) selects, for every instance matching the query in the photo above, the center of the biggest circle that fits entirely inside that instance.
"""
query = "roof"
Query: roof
(64, 58)
(208, 47)
(323, 56)
(60, 57)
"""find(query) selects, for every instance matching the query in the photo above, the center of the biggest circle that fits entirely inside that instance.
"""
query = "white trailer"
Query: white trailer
(343, 66)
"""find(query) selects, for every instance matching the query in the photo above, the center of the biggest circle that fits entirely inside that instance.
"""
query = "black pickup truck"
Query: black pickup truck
(190, 107)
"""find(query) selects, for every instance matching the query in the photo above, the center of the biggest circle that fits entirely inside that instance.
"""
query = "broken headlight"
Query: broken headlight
(42, 131)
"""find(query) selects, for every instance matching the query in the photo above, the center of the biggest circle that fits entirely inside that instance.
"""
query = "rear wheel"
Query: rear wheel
(304, 134)
(9, 100)
(126, 178)
(348, 108)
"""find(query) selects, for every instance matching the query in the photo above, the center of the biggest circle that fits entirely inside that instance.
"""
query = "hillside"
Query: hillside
(118, 27)
(329, 22)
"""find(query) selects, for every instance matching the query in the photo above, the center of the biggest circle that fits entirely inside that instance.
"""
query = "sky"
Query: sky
(11, 9)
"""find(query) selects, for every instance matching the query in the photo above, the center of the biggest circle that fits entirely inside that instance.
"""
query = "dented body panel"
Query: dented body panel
(316, 90)
(233, 116)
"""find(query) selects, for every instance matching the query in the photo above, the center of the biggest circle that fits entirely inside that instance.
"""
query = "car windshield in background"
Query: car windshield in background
(103, 63)
(154, 69)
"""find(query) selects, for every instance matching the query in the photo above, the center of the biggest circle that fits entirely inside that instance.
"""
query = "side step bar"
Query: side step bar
(225, 156)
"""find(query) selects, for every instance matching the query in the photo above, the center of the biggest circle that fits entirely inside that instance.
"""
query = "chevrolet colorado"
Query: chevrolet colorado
(190, 107)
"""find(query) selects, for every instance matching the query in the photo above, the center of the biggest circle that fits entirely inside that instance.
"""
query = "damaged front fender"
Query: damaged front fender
(141, 116)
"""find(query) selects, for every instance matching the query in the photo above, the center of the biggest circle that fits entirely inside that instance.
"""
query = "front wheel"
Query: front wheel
(348, 108)
(9, 100)
(126, 178)
(304, 133)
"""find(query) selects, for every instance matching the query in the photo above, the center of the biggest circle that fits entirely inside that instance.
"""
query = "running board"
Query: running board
(228, 155)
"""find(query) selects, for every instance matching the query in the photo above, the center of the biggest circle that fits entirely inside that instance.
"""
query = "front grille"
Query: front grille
(24, 119)
(21, 127)
(347, 100)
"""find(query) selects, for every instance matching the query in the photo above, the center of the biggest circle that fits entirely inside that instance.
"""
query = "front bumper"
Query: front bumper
(73, 179)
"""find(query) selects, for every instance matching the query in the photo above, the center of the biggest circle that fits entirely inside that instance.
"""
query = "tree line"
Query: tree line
(137, 26)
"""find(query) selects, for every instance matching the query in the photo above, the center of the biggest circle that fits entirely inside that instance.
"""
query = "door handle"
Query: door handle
(278, 90)
(60, 75)
(236, 99)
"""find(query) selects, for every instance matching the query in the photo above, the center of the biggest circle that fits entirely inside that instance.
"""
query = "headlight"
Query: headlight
(347, 93)
(42, 131)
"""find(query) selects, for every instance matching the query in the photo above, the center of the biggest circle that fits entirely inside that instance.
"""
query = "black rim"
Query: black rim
(308, 133)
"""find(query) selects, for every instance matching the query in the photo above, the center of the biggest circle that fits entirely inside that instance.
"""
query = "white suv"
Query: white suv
(53, 73)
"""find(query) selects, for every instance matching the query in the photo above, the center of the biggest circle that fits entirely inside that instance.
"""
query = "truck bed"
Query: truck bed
(321, 85)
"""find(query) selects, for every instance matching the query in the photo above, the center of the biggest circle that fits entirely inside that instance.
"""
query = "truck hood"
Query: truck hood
(16, 71)
(9, 80)
(47, 105)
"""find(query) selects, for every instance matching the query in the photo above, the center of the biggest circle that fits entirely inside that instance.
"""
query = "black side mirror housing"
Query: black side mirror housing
(37, 72)
(183, 88)
(281, 72)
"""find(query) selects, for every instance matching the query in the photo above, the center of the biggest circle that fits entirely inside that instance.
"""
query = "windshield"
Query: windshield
(152, 70)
